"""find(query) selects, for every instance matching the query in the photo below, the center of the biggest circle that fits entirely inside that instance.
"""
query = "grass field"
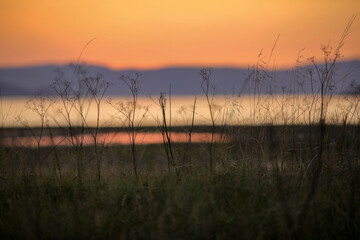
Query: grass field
(264, 184)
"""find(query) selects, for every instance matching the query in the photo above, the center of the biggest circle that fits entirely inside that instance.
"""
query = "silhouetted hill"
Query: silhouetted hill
(25, 81)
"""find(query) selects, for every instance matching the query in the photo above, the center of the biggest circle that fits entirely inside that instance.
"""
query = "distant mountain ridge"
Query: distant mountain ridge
(28, 81)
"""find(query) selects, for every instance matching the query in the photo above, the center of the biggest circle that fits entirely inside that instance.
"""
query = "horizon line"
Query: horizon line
(272, 67)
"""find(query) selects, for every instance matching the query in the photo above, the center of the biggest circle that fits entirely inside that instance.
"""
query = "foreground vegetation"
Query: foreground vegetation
(263, 186)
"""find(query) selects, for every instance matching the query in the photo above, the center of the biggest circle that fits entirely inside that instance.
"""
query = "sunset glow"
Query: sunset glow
(113, 138)
(158, 33)
(245, 110)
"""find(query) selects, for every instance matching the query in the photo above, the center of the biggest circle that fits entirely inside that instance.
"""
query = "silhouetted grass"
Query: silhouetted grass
(259, 192)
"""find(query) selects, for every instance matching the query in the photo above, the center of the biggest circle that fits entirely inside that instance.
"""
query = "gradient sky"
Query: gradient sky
(159, 33)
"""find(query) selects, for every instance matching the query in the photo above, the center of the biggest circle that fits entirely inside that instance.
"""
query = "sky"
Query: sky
(148, 34)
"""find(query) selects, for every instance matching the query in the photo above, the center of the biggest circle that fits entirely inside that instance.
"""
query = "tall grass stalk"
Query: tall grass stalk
(73, 97)
(40, 106)
(325, 76)
(97, 87)
(209, 91)
(129, 111)
(190, 134)
(166, 136)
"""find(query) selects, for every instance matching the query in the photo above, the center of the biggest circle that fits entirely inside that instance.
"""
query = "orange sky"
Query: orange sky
(158, 33)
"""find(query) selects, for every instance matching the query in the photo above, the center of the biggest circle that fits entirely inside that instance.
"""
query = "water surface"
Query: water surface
(229, 110)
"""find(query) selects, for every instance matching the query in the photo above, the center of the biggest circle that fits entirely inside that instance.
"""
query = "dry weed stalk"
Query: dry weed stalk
(209, 91)
(40, 106)
(97, 87)
(73, 96)
(325, 76)
(129, 111)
